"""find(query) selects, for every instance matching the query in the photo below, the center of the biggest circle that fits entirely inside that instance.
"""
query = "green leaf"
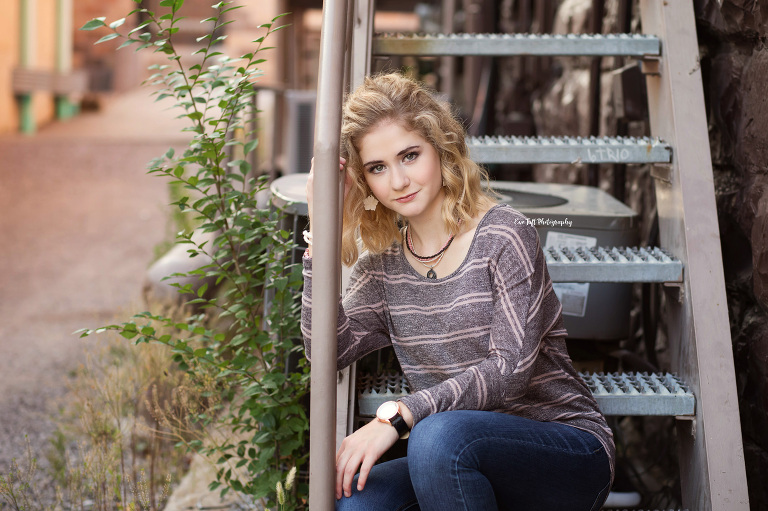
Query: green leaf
(107, 37)
(127, 42)
(117, 23)
(250, 146)
(129, 334)
(280, 28)
(94, 24)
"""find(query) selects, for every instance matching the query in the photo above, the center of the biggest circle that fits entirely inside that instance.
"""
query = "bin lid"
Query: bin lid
(586, 206)
(290, 194)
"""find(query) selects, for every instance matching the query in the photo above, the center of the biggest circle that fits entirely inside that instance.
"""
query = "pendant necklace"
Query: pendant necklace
(424, 260)
(431, 273)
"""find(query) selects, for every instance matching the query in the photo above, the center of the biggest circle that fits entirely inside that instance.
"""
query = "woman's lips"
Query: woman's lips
(407, 198)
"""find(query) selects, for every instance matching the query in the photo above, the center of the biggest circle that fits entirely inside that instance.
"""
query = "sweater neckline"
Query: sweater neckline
(463, 263)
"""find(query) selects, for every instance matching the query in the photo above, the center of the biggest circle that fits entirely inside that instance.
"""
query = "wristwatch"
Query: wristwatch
(389, 413)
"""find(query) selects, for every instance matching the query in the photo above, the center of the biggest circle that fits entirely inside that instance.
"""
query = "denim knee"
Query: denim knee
(432, 447)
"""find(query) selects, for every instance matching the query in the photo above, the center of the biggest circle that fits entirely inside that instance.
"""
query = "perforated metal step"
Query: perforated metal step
(373, 390)
(612, 264)
(627, 45)
(640, 394)
(616, 393)
(573, 150)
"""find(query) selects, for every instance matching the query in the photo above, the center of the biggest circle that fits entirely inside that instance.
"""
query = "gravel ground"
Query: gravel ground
(79, 219)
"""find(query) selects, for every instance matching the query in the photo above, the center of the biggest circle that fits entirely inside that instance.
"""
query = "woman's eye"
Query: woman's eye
(411, 156)
(376, 169)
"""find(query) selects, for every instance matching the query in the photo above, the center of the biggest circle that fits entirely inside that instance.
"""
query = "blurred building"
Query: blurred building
(49, 69)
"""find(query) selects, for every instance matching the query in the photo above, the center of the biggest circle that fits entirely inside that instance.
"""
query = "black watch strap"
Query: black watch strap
(400, 425)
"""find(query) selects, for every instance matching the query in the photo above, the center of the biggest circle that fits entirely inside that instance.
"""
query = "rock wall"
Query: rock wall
(734, 69)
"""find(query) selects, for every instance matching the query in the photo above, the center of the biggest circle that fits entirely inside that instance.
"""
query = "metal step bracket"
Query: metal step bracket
(612, 264)
(573, 150)
(650, 65)
(590, 45)
(662, 172)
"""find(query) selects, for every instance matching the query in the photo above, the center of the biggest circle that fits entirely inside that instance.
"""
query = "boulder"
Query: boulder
(178, 260)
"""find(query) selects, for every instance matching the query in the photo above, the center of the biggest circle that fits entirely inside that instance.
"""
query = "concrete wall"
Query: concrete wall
(41, 56)
(108, 69)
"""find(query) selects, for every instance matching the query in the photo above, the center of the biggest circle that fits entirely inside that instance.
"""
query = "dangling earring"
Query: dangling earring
(370, 203)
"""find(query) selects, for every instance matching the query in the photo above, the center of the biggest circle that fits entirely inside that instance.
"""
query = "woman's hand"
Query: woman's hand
(361, 449)
(310, 180)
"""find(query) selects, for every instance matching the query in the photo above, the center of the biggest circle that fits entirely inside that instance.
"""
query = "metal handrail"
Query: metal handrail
(326, 252)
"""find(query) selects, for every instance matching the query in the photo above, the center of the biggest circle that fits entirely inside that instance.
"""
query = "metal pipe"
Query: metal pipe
(448, 64)
(596, 27)
(27, 53)
(326, 254)
(64, 44)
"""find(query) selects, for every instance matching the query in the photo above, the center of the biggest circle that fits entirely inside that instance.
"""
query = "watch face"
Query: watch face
(387, 410)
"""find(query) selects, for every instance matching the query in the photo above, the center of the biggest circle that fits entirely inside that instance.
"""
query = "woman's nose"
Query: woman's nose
(400, 178)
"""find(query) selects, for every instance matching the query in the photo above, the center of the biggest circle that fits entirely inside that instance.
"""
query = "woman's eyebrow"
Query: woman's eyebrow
(407, 149)
(404, 151)
(372, 162)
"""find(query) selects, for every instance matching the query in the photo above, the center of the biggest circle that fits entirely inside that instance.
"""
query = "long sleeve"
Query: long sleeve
(519, 285)
(361, 320)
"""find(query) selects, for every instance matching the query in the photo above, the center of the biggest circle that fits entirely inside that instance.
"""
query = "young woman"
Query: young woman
(498, 418)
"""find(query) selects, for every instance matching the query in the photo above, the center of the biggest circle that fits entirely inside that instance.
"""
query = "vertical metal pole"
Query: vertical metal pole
(448, 64)
(326, 253)
(27, 54)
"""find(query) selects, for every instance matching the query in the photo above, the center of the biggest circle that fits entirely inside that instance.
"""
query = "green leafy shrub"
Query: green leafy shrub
(239, 341)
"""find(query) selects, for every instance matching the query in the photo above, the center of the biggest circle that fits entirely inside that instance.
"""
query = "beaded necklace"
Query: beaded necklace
(426, 259)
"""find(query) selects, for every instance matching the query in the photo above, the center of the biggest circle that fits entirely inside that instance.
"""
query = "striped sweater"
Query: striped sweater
(489, 336)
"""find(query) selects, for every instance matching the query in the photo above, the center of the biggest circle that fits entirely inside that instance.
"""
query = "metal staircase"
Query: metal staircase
(701, 392)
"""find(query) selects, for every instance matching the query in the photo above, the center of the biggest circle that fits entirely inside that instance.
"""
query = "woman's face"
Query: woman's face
(402, 170)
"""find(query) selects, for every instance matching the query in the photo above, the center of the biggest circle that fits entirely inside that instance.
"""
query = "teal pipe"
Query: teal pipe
(64, 107)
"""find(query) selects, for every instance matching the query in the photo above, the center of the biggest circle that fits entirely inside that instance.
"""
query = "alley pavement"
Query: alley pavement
(79, 222)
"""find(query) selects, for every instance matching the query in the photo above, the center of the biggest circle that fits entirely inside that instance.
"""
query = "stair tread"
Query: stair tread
(612, 264)
(631, 45)
(616, 393)
(574, 150)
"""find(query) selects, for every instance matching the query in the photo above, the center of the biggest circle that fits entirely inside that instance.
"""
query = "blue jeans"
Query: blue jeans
(482, 461)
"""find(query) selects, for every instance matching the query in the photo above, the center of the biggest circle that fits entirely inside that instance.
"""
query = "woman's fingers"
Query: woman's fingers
(365, 469)
(346, 467)
(361, 450)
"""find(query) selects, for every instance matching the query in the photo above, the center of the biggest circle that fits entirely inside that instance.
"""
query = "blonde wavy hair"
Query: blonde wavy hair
(395, 98)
